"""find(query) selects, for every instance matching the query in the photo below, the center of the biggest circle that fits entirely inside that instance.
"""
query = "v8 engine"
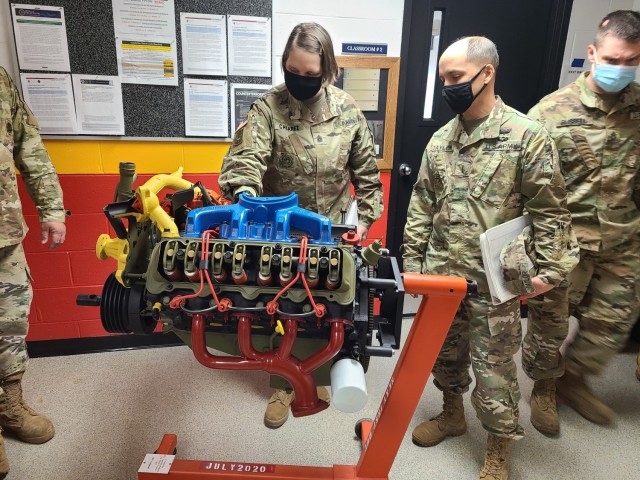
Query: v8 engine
(278, 287)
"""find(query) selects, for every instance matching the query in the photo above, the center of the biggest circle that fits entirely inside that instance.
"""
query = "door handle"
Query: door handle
(404, 170)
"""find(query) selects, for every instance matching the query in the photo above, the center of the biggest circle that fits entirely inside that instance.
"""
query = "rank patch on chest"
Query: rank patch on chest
(285, 160)
(634, 115)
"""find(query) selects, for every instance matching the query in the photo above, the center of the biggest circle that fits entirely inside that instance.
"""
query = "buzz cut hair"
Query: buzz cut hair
(623, 24)
(313, 38)
(482, 51)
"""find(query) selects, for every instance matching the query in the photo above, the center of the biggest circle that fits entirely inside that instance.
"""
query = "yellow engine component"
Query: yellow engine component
(117, 248)
(148, 195)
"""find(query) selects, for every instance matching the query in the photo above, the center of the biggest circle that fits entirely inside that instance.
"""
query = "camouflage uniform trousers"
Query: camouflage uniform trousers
(487, 336)
(547, 329)
(603, 296)
(15, 301)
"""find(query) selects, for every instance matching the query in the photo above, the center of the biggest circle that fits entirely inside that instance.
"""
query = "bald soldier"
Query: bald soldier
(22, 149)
(595, 123)
(488, 165)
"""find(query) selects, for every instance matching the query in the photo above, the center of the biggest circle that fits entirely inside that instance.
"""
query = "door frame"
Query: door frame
(561, 14)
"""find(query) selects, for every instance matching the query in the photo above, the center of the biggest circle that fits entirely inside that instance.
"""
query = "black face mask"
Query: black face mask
(302, 88)
(460, 96)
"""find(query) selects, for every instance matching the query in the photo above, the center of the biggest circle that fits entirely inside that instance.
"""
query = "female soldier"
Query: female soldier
(309, 137)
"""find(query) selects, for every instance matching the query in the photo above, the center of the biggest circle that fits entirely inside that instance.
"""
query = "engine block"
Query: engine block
(254, 279)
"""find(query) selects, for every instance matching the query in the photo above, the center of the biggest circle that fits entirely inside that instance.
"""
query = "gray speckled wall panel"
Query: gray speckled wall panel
(149, 110)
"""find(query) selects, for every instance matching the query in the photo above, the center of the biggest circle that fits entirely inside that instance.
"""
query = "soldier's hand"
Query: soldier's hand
(540, 286)
(56, 231)
(362, 231)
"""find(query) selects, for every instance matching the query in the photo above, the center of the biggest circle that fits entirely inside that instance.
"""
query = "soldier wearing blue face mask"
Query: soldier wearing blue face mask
(595, 123)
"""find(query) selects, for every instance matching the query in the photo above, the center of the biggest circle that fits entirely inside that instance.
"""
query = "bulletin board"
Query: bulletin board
(150, 111)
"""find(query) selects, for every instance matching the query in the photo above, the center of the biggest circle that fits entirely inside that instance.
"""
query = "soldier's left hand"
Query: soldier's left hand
(362, 232)
(56, 231)
(540, 286)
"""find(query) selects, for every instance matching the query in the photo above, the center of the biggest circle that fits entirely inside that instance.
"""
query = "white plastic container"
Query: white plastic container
(348, 386)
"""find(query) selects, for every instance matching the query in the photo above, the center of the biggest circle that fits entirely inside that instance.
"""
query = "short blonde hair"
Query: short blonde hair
(313, 38)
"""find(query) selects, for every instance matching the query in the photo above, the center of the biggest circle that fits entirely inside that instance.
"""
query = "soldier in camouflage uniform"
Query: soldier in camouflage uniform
(309, 137)
(488, 165)
(595, 123)
(22, 149)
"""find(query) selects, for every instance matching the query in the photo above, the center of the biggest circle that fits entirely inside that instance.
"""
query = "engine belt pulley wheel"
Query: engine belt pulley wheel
(121, 308)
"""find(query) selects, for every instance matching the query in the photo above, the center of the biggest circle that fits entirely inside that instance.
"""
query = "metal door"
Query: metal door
(530, 35)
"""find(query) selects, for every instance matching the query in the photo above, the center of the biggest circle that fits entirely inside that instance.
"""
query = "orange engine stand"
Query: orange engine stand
(381, 438)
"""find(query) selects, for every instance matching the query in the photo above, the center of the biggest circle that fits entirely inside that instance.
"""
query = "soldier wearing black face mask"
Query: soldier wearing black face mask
(460, 96)
(487, 166)
(309, 137)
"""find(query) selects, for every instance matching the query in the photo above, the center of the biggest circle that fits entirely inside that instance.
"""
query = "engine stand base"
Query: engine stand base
(381, 439)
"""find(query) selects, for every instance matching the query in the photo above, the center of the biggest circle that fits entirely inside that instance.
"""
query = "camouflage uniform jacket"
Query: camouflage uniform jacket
(600, 158)
(468, 184)
(23, 148)
(284, 148)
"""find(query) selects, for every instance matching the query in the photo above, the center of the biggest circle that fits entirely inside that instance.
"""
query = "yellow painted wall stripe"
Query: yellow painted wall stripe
(97, 157)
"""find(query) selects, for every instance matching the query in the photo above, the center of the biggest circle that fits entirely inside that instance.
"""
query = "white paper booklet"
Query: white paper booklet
(491, 243)
(352, 213)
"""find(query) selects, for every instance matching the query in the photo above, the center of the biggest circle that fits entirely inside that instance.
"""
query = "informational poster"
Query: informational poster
(206, 105)
(144, 17)
(146, 62)
(204, 44)
(98, 104)
(50, 97)
(41, 37)
(242, 96)
(249, 46)
(146, 41)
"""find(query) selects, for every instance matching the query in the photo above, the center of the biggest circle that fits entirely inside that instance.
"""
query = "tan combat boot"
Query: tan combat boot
(544, 412)
(4, 461)
(496, 458)
(277, 411)
(574, 391)
(450, 423)
(15, 415)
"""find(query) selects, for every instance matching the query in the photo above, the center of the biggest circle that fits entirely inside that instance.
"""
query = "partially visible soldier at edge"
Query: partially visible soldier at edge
(22, 149)
(595, 123)
(488, 165)
(309, 137)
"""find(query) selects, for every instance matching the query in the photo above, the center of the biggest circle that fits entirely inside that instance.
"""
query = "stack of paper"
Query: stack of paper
(491, 243)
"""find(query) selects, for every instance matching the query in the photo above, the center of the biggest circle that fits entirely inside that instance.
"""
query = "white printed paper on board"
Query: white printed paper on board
(204, 44)
(99, 106)
(41, 37)
(50, 97)
(249, 46)
(145, 34)
(147, 62)
(206, 105)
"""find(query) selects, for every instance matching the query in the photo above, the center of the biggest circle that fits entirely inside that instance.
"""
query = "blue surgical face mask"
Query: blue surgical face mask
(613, 78)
